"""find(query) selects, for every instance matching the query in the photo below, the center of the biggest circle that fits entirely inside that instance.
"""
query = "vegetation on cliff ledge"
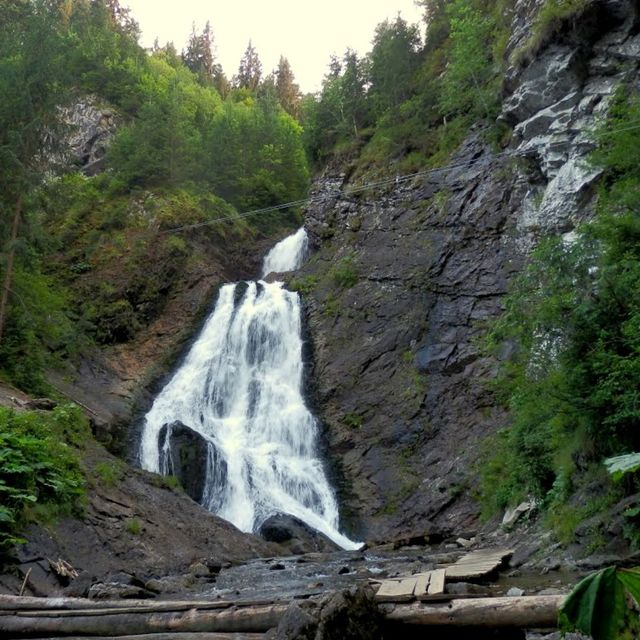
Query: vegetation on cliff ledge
(573, 385)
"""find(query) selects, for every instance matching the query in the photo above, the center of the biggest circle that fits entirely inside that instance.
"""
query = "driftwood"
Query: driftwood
(257, 619)
(522, 612)
(173, 636)
(57, 617)
(9, 604)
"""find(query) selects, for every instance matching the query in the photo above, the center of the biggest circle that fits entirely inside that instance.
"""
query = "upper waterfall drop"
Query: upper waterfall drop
(287, 255)
(240, 387)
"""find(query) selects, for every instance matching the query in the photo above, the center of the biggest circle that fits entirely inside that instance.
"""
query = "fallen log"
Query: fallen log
(522, 612)
(109, 624)
(30, 603)
(173, 636)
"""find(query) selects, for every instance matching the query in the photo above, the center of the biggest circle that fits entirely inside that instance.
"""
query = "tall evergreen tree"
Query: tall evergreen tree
(393, 63)
(288, 90)
(354, 104)
(250, 70)
(199, 54)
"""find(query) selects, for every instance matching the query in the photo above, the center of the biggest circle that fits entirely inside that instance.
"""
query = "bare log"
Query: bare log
(174, 636)
(236, 620)
(521, 612)
(9, 603)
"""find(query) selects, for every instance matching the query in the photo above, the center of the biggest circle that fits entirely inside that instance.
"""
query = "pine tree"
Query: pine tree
(199, 54)
(249, 71)
(393, 62)
(288, 90)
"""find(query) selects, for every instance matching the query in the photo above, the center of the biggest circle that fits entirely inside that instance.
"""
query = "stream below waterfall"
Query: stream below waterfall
(241, 388)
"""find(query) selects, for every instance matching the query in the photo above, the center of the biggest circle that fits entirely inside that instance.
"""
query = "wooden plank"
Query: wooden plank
(477, 564)
(422, 584)
(524, 612)
(436, 585)
(396, 590)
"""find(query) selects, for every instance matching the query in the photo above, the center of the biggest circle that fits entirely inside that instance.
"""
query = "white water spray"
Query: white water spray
(240, 387)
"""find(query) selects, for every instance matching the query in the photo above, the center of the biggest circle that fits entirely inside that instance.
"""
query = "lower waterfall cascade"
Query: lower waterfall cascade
(241, 388)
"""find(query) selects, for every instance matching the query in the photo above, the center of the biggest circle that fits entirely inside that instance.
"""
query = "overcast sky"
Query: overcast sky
(304, 32)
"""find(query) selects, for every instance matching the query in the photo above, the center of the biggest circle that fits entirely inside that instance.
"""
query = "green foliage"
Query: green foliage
(467, 85)
(597, 605)
(353, 420)
(134, 527)
(552, 17)
(305, 285)
(39, 330)
(38, 466)
(393, 62)
(619, 466)
(344, 273)
(574, 318)
(109, 473)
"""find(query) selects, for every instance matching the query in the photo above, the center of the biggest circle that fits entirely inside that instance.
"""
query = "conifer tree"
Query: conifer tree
(249, 71)
(393, 62)
(199, 54)
(288, 90)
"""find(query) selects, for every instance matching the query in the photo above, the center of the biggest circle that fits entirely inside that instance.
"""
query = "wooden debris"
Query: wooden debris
(477, 564)
(12, 604)
(436, 584)
(174, 636)
(63, 569)
(422, 584)
(523, 612)
(397, 590)
(121, 623)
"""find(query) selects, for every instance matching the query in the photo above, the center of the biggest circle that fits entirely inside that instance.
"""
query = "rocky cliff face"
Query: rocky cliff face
(402, 280)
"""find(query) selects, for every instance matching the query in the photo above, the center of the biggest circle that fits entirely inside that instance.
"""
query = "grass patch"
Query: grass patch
(551, 19)
(344, 273)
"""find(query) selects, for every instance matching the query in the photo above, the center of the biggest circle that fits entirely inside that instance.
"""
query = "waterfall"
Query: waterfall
(240, 387)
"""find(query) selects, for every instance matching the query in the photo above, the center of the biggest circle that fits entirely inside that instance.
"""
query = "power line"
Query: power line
(370, 185)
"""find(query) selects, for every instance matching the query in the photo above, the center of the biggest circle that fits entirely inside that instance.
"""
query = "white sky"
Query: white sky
(304, 32)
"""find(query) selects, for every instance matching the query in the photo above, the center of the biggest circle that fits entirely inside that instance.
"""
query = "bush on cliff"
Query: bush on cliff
(573, 385)
(40, 473)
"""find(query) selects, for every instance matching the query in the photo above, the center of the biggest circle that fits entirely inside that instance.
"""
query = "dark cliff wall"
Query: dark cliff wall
(403, 279)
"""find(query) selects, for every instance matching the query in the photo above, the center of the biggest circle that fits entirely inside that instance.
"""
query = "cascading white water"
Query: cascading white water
(240, 387)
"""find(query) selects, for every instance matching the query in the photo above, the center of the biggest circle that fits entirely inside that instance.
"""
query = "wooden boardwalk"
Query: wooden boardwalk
(431, 585)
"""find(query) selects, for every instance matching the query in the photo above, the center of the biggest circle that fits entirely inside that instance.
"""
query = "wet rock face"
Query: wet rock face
(403, 282)
(184, 455)
(294, 534)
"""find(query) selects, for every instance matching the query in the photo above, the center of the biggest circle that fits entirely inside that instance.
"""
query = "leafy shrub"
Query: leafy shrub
(600, 605)
(344, 273)
(574, 315)
(134, 527)
(109, 473)
(38, 466)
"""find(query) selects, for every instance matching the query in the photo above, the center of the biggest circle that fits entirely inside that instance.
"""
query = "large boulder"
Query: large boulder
(183, 454)
(295, 534)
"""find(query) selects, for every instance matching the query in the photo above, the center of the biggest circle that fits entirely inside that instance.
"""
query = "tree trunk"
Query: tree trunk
(8, 275)
(521, 612)
(257, 619)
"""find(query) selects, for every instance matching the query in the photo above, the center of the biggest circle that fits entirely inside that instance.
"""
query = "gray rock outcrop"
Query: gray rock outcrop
(184, 454)
(401, 384)
(91, 126)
